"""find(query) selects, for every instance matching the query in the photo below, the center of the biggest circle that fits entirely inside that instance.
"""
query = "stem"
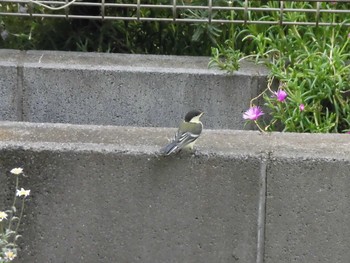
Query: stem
(262, 93)
(257, 125)
(14, 203)
(232, 26)
(316, 121)
(249, 56)
(20, 217)
(268, 126)
(332, 47)
(346, 43)
(14, 200)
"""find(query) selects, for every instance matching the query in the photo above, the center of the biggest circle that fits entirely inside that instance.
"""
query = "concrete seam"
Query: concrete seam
(20, 87)
(262, 210)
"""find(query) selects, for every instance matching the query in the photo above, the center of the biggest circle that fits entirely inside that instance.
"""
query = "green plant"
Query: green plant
(310, 64)
(10, 221)
(317, 76)
(151, 37)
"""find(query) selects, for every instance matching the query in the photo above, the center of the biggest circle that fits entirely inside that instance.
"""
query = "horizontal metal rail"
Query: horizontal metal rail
(7, 8)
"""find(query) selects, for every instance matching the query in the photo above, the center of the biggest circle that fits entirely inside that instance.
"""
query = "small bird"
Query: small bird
(188, 132)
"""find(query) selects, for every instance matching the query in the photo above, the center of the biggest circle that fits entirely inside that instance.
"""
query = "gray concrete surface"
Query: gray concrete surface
(9, 98)
(124, 90)
(102, 194)
(308, 213)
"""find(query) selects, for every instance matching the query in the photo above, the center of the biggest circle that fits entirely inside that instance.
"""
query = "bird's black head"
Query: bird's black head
(191, 114)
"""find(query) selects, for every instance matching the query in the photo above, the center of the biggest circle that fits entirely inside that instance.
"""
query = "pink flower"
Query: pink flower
(301, 107)
(349, 35)
(281, 95)
(348, 132)
(253, 113)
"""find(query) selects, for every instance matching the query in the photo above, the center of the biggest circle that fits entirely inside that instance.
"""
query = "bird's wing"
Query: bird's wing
(189, 133)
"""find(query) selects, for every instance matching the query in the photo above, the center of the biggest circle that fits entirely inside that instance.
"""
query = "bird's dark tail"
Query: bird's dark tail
(169, 149)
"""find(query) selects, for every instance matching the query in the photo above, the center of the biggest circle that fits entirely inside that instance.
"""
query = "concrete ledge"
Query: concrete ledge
(102, 194)
(124, 90)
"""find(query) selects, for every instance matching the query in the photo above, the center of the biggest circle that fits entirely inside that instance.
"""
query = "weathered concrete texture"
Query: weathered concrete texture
(98, 196)
(9, 93)
(132, 90)
(308, 212)
(93, 207)
(102, 194)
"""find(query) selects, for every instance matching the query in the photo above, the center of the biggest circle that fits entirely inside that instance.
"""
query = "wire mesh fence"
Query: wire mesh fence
(319, 13)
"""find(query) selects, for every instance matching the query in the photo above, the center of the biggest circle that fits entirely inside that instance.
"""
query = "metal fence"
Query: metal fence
(193, 11)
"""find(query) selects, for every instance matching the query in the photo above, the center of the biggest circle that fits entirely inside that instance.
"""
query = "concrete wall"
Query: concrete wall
(124, 90)
(103, 194)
